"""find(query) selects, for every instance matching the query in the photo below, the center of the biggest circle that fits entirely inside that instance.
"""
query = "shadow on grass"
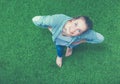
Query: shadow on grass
(92, 50)
(92, 47)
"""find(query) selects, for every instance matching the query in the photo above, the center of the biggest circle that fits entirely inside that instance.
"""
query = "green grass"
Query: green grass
(27, 53)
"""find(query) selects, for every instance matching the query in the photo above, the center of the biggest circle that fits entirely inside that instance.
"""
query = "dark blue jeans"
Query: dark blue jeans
(60, 50)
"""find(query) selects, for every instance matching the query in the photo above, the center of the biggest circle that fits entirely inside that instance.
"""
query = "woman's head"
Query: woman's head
(78, 25)
(87, 20)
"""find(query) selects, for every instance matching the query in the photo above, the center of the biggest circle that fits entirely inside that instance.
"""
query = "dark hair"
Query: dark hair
(87, 20)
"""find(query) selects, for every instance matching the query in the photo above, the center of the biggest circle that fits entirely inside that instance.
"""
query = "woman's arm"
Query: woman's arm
(49, 20)
(79, 42)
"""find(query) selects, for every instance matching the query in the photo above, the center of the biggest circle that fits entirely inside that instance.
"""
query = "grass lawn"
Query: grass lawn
(27, 53)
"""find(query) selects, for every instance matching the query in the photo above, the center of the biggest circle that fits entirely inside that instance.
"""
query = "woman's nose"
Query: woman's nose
(73, 30)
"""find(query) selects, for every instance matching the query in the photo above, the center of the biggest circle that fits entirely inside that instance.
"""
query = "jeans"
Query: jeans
(60, 50)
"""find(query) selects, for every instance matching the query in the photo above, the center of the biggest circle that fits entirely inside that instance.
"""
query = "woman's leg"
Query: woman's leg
(59, 49)
(68, 51)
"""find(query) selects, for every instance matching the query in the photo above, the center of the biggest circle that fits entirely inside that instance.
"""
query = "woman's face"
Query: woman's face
(75, 27)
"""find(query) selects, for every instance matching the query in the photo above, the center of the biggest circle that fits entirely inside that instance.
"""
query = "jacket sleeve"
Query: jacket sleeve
(46, 21)
(98, 38)
(92, 37)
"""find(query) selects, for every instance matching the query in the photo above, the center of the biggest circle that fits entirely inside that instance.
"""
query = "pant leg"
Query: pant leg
(60, 50)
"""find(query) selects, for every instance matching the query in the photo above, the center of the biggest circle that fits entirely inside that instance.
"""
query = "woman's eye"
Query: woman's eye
(78, 30)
